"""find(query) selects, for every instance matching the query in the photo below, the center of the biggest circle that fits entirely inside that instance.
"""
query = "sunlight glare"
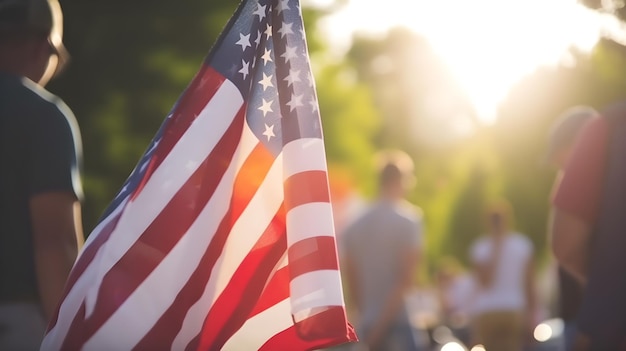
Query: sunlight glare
(488, 45)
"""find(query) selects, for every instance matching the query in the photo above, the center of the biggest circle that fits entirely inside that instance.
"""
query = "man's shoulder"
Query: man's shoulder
(615, 111)
(403, 210)
(367, 214)
(32, 100)
(612, 116)
(480, 242)
(409, 211)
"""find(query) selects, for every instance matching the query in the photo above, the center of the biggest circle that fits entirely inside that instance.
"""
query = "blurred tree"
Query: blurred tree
(418, 99)
(467, 213)
(421, 106)
(350, 122)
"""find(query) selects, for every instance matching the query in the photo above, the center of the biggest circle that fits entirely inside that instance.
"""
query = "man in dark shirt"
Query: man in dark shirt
(588, 226)
(40, 190)
(563, 135)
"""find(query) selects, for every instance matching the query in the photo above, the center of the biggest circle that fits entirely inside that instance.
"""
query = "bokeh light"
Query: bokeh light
(453, 346)
(542, 332)
(548, 329)
(478, 348)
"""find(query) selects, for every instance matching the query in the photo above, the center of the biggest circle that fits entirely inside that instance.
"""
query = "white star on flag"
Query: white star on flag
(244, 41)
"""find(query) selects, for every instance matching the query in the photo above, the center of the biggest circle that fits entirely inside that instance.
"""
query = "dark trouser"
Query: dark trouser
(22, 327)
(398, 337)
(500, 330)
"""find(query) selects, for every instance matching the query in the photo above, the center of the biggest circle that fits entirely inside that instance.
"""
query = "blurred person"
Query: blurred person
(562, 136)
(505, 301)
(587, 228)
(40, 220)
(456, 290)
(381, 252)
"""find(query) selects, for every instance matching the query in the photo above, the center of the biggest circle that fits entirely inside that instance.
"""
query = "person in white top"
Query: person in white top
(503, 267)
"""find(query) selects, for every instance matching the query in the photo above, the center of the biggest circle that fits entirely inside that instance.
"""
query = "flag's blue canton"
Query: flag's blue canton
(263, 52)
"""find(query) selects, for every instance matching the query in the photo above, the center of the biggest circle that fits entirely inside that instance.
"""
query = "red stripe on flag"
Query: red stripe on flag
(324, 329)
(167, 327)
(204, 86)
(276, 290)
(86, 257)
(306, 187)
(76, 326)
(163, 233)
(312, 254)
(201, 90)
(233, 306)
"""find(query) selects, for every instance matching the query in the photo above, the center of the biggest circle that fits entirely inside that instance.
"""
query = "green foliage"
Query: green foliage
(350, 121)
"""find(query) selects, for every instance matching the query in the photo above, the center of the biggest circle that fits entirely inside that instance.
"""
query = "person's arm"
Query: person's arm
(570, 242)
(530, 294)
(57, 237)
(350, 271)
(445, 305)
(55, 192)
(395, 300)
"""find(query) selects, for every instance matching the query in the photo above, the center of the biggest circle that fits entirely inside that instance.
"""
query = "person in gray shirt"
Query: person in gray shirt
(381, 251)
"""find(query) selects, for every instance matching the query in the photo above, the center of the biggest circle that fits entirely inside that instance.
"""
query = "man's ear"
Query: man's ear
(41, 48)
(44, 61)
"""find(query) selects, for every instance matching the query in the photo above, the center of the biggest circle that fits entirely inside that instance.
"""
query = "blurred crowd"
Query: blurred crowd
(497, 302)
(495, 298)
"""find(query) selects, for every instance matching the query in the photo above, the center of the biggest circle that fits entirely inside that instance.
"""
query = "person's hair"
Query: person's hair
(394, 166)
(566, 127)
(499, 212)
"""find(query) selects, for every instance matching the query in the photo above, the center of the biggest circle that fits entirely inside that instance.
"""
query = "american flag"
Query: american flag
(222, 237)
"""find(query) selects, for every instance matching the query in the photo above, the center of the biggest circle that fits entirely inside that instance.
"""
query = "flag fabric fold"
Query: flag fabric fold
(222, 237)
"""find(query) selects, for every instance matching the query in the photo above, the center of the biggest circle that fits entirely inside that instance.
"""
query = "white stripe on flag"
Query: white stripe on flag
(303, 155)
(257, 330)
(303, 222)
(316, 289)
(103, 223)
